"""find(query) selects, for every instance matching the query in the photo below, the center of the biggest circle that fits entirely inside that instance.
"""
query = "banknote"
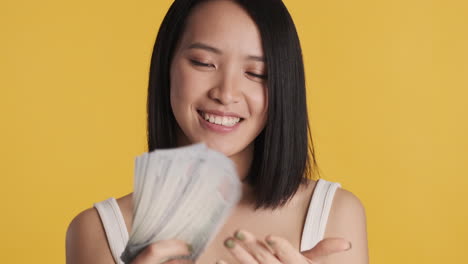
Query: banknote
(181, 193)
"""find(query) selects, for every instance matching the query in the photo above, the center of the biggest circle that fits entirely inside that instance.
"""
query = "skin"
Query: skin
(228, 80)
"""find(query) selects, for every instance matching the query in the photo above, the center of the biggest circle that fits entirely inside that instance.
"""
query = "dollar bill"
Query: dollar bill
(184, 193)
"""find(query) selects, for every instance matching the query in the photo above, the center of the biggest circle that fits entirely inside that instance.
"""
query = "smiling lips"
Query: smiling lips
(219, 123)
(220, 118)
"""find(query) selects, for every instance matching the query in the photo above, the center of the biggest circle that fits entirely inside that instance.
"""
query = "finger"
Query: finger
(177, 261)
(283, 249)
(161, 251)
(239, 252)
(255, 247)
(327, 247)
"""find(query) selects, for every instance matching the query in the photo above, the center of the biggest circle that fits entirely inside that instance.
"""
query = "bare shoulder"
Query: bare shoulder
(126, 208)
(348, 204)
(86, 240)
(347, 219)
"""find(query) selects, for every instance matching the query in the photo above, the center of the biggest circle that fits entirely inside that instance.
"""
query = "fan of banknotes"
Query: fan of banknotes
(184, 193)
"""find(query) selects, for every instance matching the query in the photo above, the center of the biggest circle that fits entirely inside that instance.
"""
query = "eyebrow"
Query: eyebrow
(198, 45)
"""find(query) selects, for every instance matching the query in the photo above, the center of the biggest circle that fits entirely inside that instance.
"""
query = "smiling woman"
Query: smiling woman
(230, 74)
(244, 58)
(214, 75)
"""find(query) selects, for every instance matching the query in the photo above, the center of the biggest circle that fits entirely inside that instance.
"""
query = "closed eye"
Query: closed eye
(197, 63)
(261, 76)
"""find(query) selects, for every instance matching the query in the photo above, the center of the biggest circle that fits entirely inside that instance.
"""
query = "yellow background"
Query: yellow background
(387, 90)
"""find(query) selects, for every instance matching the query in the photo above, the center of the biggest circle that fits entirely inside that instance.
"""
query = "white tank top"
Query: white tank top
(312, 233)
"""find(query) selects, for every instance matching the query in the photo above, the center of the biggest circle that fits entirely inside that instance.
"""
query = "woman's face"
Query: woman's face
(218, 73)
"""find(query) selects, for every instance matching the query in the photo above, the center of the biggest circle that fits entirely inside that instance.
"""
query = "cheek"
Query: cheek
(177, 85)
(258, 100)
(181, 91)
(186, 83)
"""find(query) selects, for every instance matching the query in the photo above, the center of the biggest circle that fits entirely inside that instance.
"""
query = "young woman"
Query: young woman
(229, 73)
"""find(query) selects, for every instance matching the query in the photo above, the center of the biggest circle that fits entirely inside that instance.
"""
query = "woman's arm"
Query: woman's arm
(86, 243)
(346, 223)
(347, 219)
(86, 240)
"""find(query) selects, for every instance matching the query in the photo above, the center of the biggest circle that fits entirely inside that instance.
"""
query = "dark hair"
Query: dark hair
(281, 161)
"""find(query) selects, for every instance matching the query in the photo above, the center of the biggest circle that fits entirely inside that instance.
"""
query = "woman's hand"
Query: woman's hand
(163, 252)
(247, 249)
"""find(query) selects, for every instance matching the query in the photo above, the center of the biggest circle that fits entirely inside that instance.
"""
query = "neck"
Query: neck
(242, 160)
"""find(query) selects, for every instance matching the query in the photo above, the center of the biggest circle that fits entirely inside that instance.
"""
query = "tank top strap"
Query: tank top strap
(114, 226)
(317, 214)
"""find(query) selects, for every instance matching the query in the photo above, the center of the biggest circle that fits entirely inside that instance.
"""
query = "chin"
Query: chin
(228, 150)
(223, 148)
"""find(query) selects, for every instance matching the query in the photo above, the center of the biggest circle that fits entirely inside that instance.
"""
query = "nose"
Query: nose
(227, 90)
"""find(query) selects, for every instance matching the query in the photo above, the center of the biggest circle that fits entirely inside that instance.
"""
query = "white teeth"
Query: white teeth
(221, 120)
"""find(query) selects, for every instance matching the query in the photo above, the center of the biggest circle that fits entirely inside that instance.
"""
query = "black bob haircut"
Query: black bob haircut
(283, 151)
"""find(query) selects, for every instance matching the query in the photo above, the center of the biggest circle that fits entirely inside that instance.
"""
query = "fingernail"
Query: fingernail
(229, 243)
(220, 262)
(239, 235)
(190, 248)
(269, 241)
(172, 258)
(350, 246)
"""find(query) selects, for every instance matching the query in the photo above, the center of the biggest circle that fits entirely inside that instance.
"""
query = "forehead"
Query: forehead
(223, 24)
